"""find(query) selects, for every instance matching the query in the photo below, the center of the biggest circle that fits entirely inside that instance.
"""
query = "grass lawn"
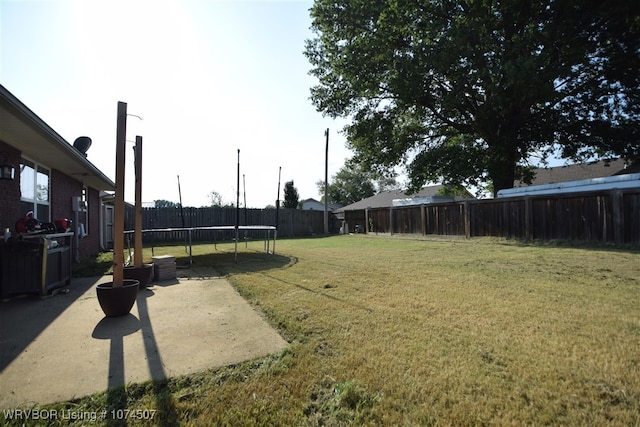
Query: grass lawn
(436, 331)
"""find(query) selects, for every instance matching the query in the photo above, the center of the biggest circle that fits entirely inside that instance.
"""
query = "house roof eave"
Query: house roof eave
(25, 131)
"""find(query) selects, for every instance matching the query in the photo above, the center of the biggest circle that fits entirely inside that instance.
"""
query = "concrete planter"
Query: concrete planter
(117, 300)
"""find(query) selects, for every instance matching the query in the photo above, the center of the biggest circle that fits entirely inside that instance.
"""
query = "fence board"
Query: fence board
(631, 213)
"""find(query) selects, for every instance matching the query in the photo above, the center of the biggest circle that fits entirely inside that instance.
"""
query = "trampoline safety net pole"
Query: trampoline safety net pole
(237, 208)
(275, 232)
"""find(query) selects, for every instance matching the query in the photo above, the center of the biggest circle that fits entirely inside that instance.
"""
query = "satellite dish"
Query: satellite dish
(82, 144)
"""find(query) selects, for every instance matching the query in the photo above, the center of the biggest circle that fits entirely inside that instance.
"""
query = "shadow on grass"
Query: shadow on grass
(99, 265)
(225, 263)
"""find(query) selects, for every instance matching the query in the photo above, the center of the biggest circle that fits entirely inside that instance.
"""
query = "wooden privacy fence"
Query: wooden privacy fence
(291, 222)
(611, 216)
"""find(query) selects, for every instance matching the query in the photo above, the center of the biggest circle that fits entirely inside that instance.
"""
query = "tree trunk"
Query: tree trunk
(501, 167)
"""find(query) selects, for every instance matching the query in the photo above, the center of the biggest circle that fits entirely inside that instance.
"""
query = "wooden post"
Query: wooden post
(137, 234)
(366, 221)
(467, 219)
(618, 217)
(423, 220)
(118, 227)
(391, 221)
(528, 218)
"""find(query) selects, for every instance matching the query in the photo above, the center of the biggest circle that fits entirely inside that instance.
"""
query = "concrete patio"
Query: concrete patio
(62, 347)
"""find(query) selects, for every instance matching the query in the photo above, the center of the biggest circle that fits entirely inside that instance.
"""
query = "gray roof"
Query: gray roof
(25, 131)
(332, 206)
(385, 198)
(579, 171)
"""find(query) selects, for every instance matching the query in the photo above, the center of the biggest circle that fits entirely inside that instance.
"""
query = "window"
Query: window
(34, 190)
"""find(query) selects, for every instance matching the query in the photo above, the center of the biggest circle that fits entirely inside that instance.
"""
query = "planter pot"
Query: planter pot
(117, 300)
(141, 274)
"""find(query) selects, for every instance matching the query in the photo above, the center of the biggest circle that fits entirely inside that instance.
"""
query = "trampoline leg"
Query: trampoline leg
(190, 252)
(275, 235)
(235, 256)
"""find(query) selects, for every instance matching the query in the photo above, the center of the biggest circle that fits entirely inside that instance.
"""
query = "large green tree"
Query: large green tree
(468, 91)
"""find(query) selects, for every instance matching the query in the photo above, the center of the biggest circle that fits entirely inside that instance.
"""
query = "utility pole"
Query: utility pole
(326, 185)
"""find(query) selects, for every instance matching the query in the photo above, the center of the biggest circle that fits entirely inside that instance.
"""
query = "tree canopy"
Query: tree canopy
(165, 204)
(291, 197)
(353, 183)
(215, 199)
(470, 91)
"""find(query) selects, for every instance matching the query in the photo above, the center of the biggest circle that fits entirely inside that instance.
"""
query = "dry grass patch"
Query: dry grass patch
(460, 332)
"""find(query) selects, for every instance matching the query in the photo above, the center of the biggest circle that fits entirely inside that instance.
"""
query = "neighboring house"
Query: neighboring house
(582, 177)
(314, 205)
(354, 216)
(52, 178)
(428, 194)
(579, 171)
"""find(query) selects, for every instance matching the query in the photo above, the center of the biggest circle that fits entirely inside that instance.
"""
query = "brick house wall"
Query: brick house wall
(62, 188)
(9, 190)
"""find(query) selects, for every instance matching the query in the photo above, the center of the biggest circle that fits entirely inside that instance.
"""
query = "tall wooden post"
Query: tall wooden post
(467, 219)
(118, 226)
(528, 218)
(618, 217)
(366, 221)
(137, 237)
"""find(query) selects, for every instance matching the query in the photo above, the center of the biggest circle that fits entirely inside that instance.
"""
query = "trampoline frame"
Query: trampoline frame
(267, 238)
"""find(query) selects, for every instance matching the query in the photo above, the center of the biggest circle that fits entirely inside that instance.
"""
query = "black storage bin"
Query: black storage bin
(21, 267)
(35, 264)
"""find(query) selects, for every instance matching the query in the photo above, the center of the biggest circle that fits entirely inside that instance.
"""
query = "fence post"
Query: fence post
(366, 221)
(423, 222)
(528, 218)
(467, 219)
(618, 217)
(391, 221)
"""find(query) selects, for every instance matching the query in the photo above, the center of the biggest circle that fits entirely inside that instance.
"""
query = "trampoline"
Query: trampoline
(189, 230)
(237, 227)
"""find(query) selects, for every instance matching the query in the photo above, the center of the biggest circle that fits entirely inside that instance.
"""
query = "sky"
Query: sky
(205, 79)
